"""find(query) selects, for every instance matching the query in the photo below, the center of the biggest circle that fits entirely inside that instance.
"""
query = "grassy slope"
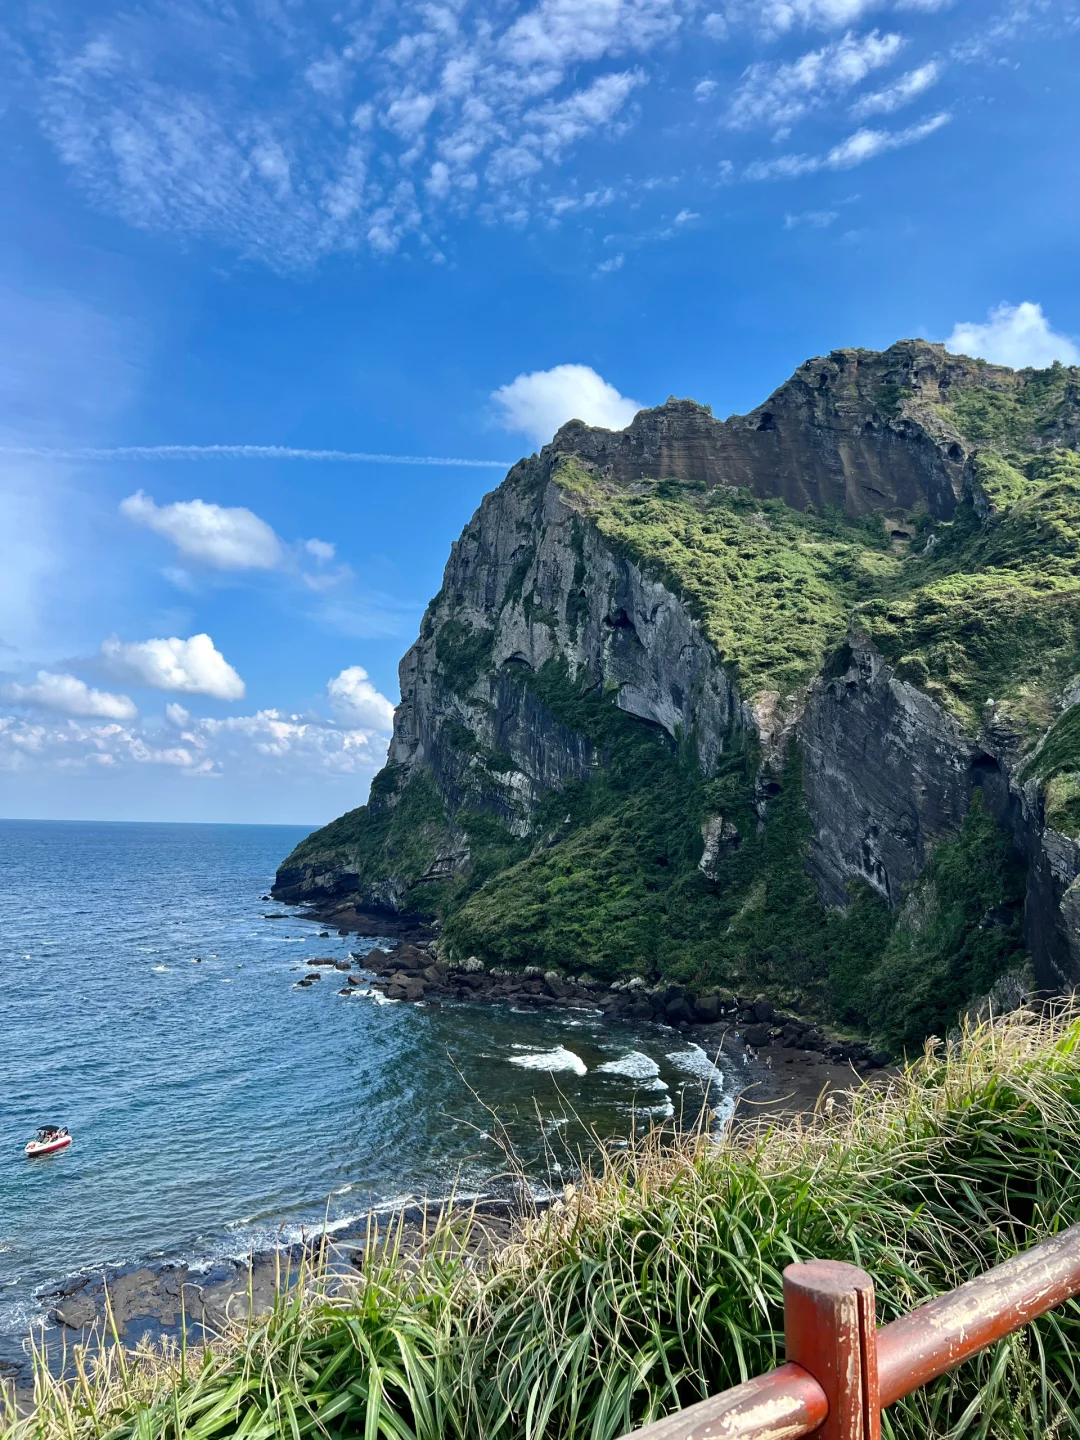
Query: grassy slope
(772, 586)
(993, 611)
(660, 1282)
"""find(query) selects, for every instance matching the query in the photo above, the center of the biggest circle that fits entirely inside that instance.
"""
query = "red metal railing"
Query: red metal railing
(841, 1371)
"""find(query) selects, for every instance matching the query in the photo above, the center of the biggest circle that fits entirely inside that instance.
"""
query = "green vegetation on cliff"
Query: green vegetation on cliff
(991, 611)
(1018, 419)
(658, 1282)
(772, 587)
(394, 837)
(1057, 765)
(974, 610)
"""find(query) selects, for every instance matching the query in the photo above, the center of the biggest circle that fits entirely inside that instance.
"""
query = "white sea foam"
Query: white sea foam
(376, 995)
(159, 969)
(635, 1066)
(557, 1059)
(694, 1061)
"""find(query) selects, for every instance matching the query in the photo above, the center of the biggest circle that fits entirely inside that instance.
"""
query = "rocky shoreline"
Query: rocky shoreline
(414, 972)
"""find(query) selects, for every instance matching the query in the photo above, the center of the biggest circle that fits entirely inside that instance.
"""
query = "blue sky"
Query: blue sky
(435, 230)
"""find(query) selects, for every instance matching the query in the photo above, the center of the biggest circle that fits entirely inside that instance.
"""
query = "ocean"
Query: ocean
(148, 1002)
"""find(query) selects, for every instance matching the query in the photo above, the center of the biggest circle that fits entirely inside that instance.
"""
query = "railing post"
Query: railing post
(829, 1329)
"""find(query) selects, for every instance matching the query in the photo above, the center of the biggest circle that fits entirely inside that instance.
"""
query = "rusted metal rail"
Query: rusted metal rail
(842, 1371)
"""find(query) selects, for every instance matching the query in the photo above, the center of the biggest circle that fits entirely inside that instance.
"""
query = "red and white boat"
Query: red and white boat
(48, 1140)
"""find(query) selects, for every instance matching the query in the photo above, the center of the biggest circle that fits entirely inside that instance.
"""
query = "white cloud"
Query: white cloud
(855, 150)
(814, 219)
(704, 90)
(268, 743)
(72, 696)
(561, 122)
(1016, 335)
(211, 156)
(355, 701)
(781, 94)
(772, 18)
(25, 745)
(537, 404)
(225, 537)
(558, 33)
(777, 17)
(321, 549)
(909, 87)
(408, 114)
(608, 267)
(274, 740)
(193, 667)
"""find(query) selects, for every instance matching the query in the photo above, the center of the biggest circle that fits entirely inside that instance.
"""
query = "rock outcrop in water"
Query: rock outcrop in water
(675, 669)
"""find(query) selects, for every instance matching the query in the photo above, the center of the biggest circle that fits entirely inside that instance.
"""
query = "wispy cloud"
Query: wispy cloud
(909, 87)
(408, 112)
(773, 18)
(814, 219)
(779, 95)
(857, 149)
(237, 452)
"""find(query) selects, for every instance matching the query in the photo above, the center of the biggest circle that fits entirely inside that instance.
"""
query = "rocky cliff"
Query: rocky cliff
(781, 700)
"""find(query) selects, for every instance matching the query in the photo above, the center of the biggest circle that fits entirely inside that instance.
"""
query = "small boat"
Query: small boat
(48, 1140)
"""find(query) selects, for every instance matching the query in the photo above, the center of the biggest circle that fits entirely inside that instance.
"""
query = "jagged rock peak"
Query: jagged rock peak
(863, 429)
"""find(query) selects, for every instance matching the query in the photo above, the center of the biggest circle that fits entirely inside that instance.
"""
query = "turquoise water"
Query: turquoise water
(214, 1105)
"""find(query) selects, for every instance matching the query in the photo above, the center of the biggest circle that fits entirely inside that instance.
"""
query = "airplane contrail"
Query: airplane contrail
(239, 452)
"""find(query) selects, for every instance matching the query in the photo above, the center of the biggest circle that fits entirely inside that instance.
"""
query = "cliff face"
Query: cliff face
(858, 429)
(529, 582)
(826, 623)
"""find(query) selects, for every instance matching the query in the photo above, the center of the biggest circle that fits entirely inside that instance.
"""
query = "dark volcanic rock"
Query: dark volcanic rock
(823, 438)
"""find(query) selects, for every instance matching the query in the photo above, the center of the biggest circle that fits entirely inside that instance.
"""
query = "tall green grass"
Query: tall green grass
(658, 1281)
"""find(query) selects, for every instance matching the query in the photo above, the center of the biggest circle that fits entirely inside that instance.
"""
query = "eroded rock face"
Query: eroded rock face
(536, 583)
(887, 773)
(855, 428)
